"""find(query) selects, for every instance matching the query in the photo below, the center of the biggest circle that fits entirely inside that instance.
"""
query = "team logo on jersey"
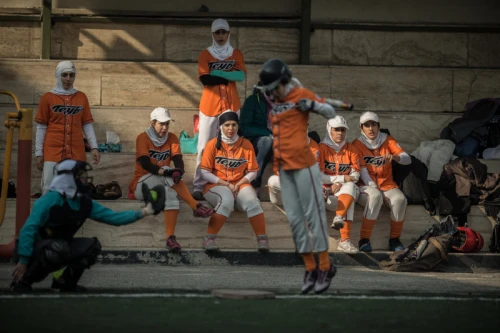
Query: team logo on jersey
(230, 163)
(376, 161)
(159, 155)
(67, 110)
(332, 166)
(225, 65)
(282, 107)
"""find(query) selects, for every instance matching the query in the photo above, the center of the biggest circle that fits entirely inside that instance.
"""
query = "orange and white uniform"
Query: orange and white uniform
(273, 183)
(230, 163)
(215, 99)
(161, 157)
(377, 185)
(299, 174)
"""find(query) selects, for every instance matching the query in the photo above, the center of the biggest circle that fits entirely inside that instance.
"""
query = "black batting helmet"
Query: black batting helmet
(274, 72)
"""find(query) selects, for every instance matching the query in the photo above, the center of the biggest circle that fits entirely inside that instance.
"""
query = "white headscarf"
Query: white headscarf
(337, 121)
(221, 52)
(64, 183)
(375, 143)
(63, 67)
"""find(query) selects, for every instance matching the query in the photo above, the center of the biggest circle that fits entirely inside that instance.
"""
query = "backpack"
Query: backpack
(427, 252)
(108, 191)
(434, 250)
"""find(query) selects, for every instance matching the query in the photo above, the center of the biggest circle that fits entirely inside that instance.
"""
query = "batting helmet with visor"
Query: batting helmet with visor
(274, 72)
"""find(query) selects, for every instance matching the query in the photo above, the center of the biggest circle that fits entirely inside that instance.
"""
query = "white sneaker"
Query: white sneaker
(338, 222)
(347, 247)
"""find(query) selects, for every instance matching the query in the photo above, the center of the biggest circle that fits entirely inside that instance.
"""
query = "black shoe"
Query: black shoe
(324, 279)
(395, 244)
(21, 287)
(365, 245)
(310, 278)
(67, 289)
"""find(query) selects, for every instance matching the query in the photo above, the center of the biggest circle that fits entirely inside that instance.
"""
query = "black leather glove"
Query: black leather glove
(175, 173)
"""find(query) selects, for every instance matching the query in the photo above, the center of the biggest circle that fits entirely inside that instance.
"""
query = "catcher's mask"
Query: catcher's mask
(79, 170)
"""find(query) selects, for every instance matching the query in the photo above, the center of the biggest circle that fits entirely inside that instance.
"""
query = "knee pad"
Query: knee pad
(56, 254)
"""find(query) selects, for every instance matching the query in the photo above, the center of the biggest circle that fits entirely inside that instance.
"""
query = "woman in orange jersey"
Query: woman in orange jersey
(63, 118)
(220, 66)
(300, 177)
(376, 151)
(155, 149)
(228, 166)
(339, 165)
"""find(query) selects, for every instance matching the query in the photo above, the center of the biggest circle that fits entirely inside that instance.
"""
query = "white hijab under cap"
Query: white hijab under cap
(369, 143)
(226, 139)
(336, 122)
(220, 52)
(64, 183)
(63, 67)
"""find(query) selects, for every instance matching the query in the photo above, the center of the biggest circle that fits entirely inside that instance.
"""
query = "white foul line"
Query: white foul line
(198, 295)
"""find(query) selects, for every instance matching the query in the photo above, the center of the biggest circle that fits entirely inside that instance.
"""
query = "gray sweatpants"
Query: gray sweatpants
(305, 208)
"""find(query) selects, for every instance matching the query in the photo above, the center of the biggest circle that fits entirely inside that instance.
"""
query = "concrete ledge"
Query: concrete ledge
(457, 261)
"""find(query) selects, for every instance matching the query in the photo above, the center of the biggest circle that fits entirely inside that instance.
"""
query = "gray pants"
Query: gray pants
(305, 208)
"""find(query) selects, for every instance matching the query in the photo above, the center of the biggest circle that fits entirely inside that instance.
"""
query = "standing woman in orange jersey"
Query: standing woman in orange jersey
(299, 174)
(228, 166)
(220, 66)
(339, 164)
(376, 151)
(63, 118)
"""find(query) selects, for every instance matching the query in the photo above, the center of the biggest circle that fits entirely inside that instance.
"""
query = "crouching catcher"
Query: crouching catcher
(46, 242)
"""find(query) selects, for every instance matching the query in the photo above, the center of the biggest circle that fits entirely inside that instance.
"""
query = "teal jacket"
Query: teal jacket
(30, 232)
(253, 117)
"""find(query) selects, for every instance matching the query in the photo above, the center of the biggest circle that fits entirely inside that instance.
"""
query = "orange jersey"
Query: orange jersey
(160, 156)
(338, 164)
(314, 149)
(64, 117)
(289, 128)
(219, 98)
(230, 163)
(373, 160)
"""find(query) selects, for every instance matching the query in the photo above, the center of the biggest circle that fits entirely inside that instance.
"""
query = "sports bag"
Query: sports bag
(189, 145)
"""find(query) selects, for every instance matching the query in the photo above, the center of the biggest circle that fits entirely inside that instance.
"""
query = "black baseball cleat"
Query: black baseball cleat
(324, 279)
(310, 278)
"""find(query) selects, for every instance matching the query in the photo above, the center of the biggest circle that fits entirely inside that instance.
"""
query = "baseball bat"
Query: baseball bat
(340, 104)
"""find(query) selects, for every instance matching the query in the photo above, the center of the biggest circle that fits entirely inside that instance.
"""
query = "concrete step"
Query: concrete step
(176, 85)
(410, 128)
(237, 233)
(120, 167)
